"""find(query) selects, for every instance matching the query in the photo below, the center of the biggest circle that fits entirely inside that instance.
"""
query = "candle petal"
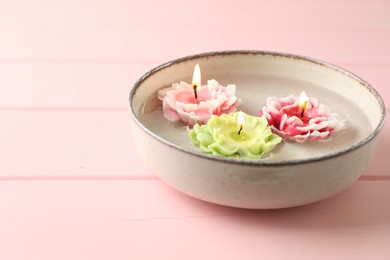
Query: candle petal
(220, 149)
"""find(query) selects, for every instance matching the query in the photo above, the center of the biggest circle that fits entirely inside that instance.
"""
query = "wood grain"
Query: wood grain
(72, 185)
(115, 220)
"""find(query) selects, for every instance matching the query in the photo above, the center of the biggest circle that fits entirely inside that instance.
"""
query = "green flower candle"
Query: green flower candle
(235, 135)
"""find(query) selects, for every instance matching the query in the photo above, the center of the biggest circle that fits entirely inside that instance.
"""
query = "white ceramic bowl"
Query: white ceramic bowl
(293, 174)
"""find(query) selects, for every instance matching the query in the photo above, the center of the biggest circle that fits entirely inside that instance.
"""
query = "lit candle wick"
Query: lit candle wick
(303, 102)
(195, 92)
(196, 80)
(239, 131)
(240, 121)
(303, 108)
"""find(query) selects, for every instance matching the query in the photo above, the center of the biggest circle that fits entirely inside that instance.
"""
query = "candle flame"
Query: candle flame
(196, 79)
(240, 121)
(303, 102)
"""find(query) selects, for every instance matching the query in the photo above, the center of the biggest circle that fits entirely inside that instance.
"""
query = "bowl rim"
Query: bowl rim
(259, 162)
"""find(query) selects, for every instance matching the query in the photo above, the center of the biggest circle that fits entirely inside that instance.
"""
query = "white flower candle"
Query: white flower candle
(196, 104)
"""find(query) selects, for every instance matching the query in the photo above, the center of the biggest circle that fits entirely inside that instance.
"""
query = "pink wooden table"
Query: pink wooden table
(72, 185)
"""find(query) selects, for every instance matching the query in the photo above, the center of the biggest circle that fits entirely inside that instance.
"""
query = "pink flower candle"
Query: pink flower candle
(196, 104)
(301, 119)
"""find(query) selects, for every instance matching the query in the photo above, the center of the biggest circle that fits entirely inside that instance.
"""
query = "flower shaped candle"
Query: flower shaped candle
(301, 119)
(235, 135)
(195, 104)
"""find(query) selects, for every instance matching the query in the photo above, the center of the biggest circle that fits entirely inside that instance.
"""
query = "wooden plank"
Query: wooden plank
(68, 144)
(273, 14)
(84, 144)
(149, 220)
(104, 85)
(64, 42)
(43, 85)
